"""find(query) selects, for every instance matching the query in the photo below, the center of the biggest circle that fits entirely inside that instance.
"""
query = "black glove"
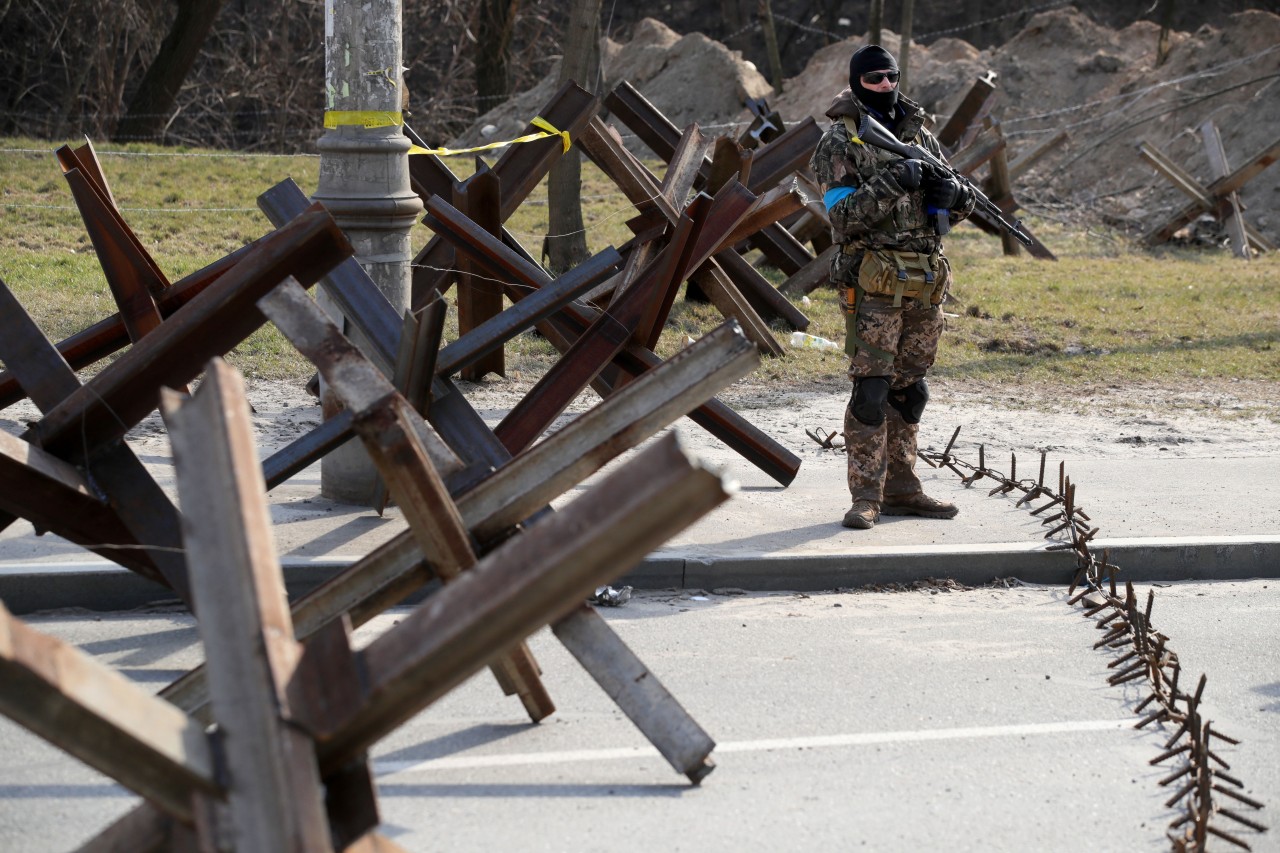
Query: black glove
(908, 173)
(944, 192)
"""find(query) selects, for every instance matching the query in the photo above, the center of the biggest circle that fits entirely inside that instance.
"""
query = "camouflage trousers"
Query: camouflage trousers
(882, 458)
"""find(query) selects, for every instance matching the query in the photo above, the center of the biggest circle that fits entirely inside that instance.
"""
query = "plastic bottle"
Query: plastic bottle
(802, 341)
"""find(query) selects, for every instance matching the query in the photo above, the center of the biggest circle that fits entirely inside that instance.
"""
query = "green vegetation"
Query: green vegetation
(1105, 313)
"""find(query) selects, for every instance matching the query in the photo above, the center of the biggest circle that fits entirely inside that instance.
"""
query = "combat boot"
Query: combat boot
(862, 515)
(919, 504)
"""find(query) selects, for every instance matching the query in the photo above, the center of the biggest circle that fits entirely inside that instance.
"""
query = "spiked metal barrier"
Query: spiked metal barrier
(1143, 653)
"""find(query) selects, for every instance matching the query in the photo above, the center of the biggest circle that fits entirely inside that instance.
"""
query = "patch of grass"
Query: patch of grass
(1113, 316)
(1105, 313)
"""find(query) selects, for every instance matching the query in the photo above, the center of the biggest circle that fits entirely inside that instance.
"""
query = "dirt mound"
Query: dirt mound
(1061, 72)
(690, 78)
(1065, 72)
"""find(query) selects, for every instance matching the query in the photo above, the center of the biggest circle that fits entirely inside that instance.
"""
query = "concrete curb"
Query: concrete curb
(103, 586)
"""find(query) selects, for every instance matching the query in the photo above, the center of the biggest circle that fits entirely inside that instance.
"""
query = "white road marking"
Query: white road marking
(471, 762)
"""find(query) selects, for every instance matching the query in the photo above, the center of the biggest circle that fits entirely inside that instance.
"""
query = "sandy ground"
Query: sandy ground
(1148, 421)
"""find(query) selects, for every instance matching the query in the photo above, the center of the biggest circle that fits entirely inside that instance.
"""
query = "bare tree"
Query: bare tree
(904, 52)
(566, 244)
(494, 22)
(771, 46)
(877, 21)
(154, 99)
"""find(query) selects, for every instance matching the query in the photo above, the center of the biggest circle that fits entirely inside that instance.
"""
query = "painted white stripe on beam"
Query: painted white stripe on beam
(472, 762)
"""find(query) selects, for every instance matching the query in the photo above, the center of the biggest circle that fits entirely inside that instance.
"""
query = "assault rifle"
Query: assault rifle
(874, 133)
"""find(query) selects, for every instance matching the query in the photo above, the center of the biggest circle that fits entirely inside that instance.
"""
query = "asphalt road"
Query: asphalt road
(962, 720)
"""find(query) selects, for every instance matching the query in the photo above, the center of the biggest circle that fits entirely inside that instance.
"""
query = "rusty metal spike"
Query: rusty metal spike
(946, 453)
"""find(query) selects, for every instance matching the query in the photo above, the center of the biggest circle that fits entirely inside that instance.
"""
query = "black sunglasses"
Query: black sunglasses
(875, 77)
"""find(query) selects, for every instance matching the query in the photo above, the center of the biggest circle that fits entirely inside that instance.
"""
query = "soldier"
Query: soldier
(893, 277)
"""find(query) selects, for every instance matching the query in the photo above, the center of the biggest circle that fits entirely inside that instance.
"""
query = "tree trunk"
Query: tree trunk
(1166, 22)
(771, 46)
(566, 244)
(153, 101)
(494, 21)
(731, 12)
(877, 22)
(904, 52)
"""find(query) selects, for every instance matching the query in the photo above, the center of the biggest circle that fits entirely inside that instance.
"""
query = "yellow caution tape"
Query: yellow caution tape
(362, 118)
(389, 118)
(538, 121)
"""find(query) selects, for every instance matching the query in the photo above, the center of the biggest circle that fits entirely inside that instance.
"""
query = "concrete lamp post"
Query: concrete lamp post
(364, 182)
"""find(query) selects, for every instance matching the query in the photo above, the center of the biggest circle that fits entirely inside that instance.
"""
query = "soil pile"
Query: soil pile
(689, 78)
(1104, 87)
(1061, 72)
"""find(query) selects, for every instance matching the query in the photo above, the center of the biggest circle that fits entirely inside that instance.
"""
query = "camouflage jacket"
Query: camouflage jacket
(880, 213)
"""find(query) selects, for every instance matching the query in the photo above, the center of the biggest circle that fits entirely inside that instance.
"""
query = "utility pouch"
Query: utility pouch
(915, 275)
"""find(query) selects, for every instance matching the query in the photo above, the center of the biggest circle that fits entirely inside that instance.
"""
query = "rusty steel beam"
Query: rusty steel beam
(129, 277)
(306, 449)
(1198, 193)
(789, 153)
(638, 184)
(53, 495)
(532, 309)
(361, 386)
(529, 582)
(595, 348)
(661, 135)
(103, 213)
(814, 274)
(517, 491)
(110, 335)
(347, 282)
(519, 170)
(479, 299)
(976, 103)
(91, 711)
(134, 279)
(766, 299)
(534, 579)
(212, 323)
(610, 330)
(139, 512)
(409, 456)
(725, 424)
(273, 790)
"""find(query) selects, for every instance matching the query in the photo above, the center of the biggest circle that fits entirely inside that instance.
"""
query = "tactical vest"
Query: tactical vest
(909, 217)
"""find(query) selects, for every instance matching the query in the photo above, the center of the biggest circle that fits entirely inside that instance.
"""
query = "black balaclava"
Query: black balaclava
(873, 57)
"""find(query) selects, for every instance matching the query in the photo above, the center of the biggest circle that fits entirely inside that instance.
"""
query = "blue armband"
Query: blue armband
(833, 196)
(932, 211)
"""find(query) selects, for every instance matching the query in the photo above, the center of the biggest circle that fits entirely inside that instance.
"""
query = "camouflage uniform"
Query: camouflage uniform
(898, 343)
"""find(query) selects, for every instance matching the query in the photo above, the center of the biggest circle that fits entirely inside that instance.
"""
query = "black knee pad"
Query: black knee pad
(910, 401)
(869, 396)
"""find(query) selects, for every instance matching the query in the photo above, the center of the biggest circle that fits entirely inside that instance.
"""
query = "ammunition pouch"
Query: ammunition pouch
(915, 275)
